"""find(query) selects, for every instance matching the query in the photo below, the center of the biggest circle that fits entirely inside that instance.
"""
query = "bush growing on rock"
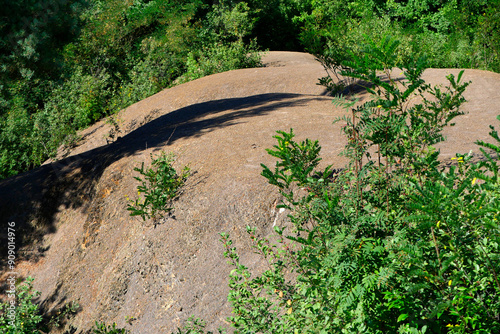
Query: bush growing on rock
(160, 186)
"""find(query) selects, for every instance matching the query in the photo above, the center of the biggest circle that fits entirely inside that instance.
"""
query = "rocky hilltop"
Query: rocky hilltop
(80, 244)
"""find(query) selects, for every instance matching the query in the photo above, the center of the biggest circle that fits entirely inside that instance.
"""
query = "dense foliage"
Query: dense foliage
(23, 317)
(67, 63)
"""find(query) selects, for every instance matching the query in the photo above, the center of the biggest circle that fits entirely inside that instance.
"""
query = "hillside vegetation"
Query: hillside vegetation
(66, 64)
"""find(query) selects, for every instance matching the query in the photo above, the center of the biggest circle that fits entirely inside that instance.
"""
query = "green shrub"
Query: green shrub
(195, 326)
(28, 135)
(102, 328)
(219, 58)
(222, 47)
(147, 77)
(26, 318)
(82, 99)
(161, 185)
(277, 23)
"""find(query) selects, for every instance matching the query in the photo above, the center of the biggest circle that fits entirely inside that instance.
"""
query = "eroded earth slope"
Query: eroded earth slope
(82, 245)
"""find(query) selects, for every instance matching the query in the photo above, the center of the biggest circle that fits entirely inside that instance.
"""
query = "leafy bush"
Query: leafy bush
(26, 317)
(28, 138)
(394, 243)
(195, 326)
(220, 58)
(102, 328)
(222, 47)
(147, 76)
(160, 187)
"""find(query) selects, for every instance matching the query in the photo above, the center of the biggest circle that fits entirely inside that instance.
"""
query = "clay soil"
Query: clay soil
(76, 237)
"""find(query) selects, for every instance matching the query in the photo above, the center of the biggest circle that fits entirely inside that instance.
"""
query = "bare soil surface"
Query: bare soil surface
(79, 242)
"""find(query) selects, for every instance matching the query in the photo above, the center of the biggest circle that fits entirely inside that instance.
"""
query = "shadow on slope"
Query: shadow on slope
(32, 199)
